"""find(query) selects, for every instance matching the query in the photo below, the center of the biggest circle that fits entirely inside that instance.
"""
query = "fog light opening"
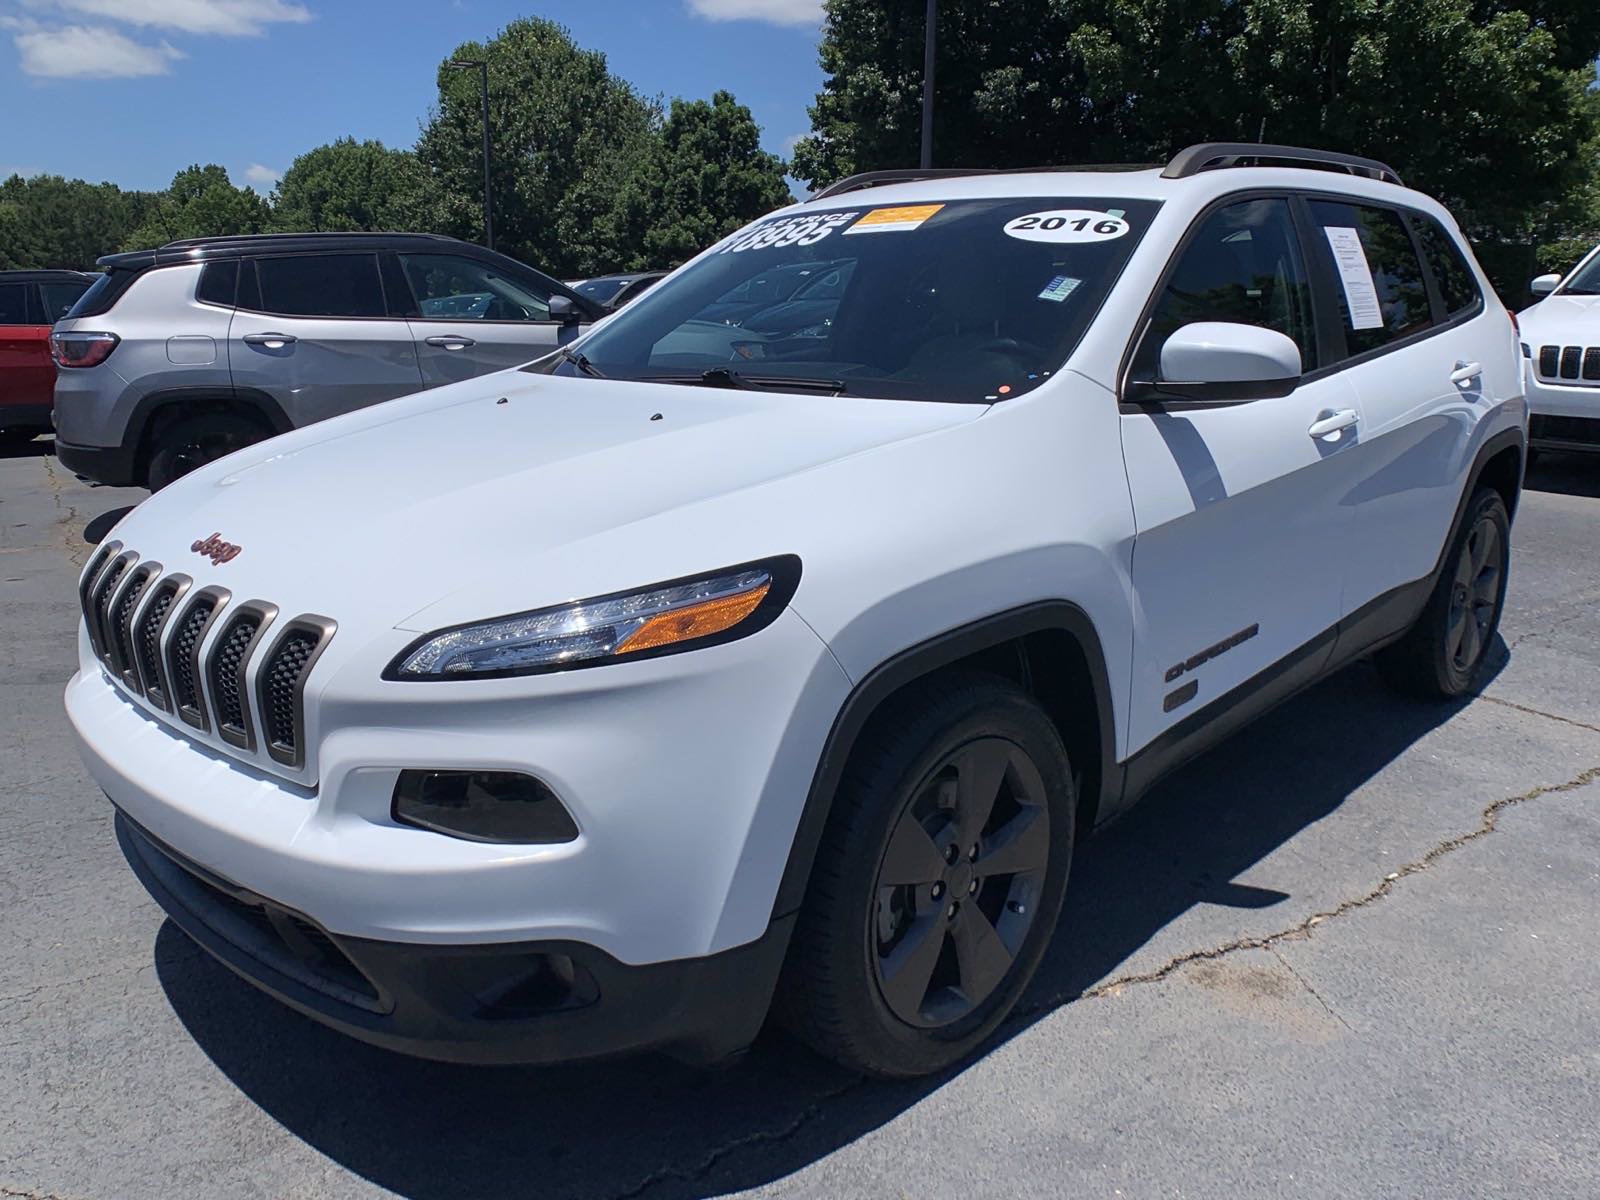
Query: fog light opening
(483, 806)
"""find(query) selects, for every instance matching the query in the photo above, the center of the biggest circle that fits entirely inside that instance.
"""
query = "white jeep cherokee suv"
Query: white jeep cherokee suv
(695, 671)
(1561, 349)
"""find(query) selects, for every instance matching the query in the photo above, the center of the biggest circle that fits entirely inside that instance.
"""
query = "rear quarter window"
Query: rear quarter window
(1458, 286)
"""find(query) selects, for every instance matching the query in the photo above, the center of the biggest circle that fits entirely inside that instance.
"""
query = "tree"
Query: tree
(705, 176)
(1481, 102)
(48, 221)
(202, 202)
(566, 136)
(351, 185)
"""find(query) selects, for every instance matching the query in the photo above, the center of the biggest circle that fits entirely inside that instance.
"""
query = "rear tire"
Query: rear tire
(938, 881)
(193, 441)
(1442, 655)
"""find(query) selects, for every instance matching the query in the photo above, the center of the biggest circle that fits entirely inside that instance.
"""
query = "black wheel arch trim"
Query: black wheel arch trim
(144, 412)
(919, 661)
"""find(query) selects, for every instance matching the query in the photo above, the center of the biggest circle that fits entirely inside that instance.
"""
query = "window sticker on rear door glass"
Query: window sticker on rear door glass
(1355, 273)
(806, 230)
(1068, 225)
(894, 220)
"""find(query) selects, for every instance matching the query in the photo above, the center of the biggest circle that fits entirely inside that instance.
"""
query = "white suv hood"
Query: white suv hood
(1561, 321)
(508, 492)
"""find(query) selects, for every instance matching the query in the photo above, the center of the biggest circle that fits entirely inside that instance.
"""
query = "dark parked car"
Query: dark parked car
(613, 291)
(31, 302)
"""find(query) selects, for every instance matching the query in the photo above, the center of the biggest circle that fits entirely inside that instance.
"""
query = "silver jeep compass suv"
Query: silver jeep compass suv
(180, 355)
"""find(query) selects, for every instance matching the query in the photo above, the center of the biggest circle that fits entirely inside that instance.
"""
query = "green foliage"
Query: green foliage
(202, 202)
(351, 185)
(48, 221)
(704, 177)
(1481, 102)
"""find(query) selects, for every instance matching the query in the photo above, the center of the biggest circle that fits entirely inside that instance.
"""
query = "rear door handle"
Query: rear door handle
(1465, 373)
(268, 339)
(1329, 425)
(450, 341)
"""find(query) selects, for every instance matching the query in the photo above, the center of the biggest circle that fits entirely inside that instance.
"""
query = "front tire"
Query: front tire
(938, 881)
(1442, 656)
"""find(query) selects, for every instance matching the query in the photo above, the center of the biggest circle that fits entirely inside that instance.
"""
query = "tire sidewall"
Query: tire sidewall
(1455, 680)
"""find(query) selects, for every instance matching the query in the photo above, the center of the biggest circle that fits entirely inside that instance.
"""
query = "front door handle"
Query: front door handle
(1329, 425)
(1465, 373)
(450, 341)
(272, 340)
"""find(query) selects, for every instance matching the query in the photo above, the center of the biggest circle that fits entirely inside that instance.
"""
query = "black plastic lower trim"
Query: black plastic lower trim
(523, 1002)
(1565, 433)
(112, 465)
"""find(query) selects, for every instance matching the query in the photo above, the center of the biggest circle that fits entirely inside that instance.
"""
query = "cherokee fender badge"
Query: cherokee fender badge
(217, 550)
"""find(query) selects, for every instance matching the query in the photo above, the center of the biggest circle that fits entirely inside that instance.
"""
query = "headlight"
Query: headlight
(665, 618)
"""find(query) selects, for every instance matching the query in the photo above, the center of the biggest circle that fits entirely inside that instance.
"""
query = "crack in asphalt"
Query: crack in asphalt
(1585, 610)
(11, 1193)
(1537, 712)
(1306, 983)
(1488, 822)
(73, 548)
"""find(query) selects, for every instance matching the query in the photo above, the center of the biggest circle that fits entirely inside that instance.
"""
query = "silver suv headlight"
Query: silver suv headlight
(665, 618)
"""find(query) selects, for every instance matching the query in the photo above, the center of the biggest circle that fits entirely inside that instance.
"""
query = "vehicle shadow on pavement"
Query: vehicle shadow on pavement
(35, 448)
(648, 1125)
(1570, 474)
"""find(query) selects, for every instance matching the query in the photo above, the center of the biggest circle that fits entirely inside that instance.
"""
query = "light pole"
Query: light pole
(927, 85)
(482, 65)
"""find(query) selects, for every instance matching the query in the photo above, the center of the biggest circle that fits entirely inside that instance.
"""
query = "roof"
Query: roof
(211, 248)
(44, 276)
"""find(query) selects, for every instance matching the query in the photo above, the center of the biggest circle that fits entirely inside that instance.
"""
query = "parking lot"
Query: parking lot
(1350, 953)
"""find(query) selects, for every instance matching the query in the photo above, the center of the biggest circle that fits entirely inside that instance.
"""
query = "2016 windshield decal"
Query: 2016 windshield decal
(805, 230)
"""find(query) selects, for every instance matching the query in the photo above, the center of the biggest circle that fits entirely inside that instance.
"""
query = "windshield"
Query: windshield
(599, 290)
(970, 301)
(1585, 280)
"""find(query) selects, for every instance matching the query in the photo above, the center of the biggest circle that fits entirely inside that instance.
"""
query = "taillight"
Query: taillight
(1516, 325)
(82, 349)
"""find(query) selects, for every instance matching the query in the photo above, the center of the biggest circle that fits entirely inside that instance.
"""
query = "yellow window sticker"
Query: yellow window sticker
(894, 220)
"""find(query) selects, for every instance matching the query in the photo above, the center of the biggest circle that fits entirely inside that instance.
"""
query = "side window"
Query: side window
(318, 285)
(1458, 286)
(1245, 266)
(14, 304)
(59, 298)
(1381, 294)
(217, 282)
(459, 289)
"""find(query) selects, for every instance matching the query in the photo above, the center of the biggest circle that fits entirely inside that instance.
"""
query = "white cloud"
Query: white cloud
(82, 52)
(261, 178)
(778, 12)
(225, 18)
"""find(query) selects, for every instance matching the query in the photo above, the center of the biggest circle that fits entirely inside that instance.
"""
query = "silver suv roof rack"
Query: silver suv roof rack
(869, 179)
(1211, 156)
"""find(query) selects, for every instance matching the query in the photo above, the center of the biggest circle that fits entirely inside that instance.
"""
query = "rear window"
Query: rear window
(1378, 277)
(14, 304)
(315, 285)
(103, 293)
(1458, 286)
(217, 282)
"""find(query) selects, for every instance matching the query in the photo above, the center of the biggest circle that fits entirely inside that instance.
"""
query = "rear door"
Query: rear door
(313, 332)
(27, 375)
(469, 317)
(1243, 525)
(1428, 357)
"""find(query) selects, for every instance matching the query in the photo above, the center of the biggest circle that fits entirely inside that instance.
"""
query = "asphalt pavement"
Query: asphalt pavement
(1351, 953)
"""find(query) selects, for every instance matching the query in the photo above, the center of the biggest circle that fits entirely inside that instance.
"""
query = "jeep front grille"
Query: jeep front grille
(154, 639)
(1569, 364)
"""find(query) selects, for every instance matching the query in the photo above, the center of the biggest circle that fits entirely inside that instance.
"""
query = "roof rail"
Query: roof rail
(226, 238)
(1209, 156)
(868, 179)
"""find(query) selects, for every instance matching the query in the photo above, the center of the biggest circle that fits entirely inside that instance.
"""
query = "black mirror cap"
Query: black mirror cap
(1161, 391)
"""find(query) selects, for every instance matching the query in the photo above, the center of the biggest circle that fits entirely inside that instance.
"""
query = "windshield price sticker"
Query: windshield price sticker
(805, 230)
(894, 220)
(1067, 225)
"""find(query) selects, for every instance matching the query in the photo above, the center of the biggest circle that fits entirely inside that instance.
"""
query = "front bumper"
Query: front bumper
(1563, 416)
(500, 1003)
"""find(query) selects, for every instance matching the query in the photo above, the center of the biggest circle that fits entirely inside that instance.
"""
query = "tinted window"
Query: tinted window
(600, 290)
(217, 282)
(1378, 277)
(1585, 280)
(968, 301)
(60, 297)
(103, 293)
(1457, 285)
(1243, 266)
(14, 304)
(320, 285)
(454, 289)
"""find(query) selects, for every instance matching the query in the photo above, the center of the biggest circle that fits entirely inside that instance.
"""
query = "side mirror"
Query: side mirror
(564, 310)
(1218, 362)
(1543, 285)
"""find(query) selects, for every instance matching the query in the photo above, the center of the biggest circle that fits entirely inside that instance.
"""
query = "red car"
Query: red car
(30, 302)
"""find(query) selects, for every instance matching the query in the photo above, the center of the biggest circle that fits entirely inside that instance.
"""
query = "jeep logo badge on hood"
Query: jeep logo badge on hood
(217, 550)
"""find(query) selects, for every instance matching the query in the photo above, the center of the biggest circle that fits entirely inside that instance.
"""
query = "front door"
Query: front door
(1241, 510)
(312, 332)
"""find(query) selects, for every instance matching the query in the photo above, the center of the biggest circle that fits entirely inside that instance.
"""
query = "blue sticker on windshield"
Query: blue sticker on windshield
(1059, 288)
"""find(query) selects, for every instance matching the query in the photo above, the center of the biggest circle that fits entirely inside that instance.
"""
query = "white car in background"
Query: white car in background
(1561, 346)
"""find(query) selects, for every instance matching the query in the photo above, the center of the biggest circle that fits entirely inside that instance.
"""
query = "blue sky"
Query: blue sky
(132, 91)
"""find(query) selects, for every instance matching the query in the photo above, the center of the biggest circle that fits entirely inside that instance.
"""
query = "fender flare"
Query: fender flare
(145, 411)
(916, 662)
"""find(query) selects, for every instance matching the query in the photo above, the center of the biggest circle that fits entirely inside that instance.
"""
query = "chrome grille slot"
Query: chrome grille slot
(183, 656)
(119, 630)
(100, 604)
(1569, 361)
(147, 639)
(280, 687)
(225, 672)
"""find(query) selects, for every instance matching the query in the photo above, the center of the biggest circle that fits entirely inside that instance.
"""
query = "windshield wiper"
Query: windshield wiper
(725, 377)
(581, 360)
